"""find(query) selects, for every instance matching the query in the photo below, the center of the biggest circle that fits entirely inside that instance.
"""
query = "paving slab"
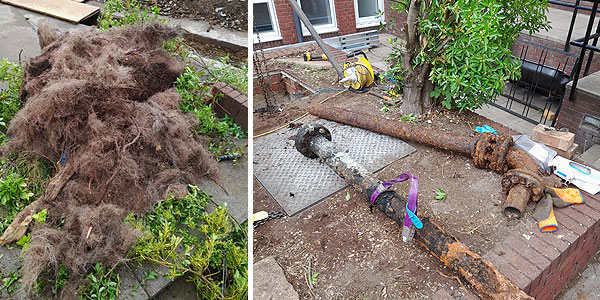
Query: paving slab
(560, 20)
(233, 189)
(181, 288)
(297, 182)
(19, 32)
(270, 282)
(587, 286)
(591, 157)
(10, 260)
(152, 287)
(131, 288)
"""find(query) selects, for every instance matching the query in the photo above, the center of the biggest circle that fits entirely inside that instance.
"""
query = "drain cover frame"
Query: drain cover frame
(297, 182)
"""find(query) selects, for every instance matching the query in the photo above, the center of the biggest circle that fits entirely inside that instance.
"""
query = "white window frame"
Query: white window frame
(328, 28)
(369, 21)
(268, 36)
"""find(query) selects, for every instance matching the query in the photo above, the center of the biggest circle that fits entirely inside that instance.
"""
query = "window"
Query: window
(265, 24)
(366, 12)
(321, 14)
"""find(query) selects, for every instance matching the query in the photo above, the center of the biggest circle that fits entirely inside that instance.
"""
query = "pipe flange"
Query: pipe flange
(304, 136)
(490, 152)
(526, 178)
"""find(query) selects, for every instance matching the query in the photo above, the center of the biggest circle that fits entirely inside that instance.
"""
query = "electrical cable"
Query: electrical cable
(293, 121)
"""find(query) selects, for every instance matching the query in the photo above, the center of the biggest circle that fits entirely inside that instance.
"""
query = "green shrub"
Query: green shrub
(181, 235)
(132, 11)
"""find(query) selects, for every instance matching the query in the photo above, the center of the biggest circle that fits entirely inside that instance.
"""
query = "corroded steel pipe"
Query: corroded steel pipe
(496, 153)
(315, 141)
(461, 144)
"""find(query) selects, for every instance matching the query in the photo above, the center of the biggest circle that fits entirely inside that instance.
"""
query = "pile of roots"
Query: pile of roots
(102, 107)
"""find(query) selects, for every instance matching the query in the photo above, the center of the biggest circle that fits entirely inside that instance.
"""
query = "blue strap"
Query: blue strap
(486, 128)
(413, 217)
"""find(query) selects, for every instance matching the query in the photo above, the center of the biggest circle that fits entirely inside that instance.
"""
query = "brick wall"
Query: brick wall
(393, 17)
(345, 17)
(542, 264)
(554, 58)
(233, 104)
(571, 116)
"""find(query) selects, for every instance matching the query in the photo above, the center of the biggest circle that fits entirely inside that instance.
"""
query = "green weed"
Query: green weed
(15, 195)
(440, 195)
(9, 282)
(103, 284)
(214, 249)
(132, 11)
(11, 74)
(410, 118)
(61, 279)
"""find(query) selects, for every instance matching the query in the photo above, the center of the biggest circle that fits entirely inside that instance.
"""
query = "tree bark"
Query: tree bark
(415, 77)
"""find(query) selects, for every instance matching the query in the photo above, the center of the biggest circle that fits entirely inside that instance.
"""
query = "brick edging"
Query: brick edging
(542, 264)
(233, 103)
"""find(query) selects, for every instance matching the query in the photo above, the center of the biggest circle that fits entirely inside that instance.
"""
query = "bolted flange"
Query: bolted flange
(305, 135)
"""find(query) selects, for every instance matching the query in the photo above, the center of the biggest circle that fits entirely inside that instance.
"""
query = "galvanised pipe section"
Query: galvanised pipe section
(487, 150)
(314, 141)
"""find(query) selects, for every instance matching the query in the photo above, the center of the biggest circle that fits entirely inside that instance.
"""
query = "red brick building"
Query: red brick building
(275, 25)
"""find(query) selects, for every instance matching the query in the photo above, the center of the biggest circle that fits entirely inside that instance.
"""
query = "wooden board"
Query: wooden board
(67, 10)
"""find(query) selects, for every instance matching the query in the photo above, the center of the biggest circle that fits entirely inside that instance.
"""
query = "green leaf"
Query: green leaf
(347, 196)
(40, 217)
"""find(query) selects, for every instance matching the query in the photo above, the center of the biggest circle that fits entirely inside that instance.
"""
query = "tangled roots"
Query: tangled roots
(104, 103)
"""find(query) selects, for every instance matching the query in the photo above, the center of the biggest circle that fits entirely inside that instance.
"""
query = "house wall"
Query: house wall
(345, 17)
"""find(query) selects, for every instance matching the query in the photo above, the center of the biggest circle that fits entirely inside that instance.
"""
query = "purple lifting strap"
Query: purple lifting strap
(412, 194)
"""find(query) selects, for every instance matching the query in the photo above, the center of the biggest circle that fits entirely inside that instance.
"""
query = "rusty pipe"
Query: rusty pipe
(461, 144)
(515, 203)
(496, 153)
(314, 141)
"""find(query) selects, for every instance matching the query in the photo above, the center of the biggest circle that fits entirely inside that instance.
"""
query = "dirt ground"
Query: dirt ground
(238, 58)
(231, 14)
(359, 254)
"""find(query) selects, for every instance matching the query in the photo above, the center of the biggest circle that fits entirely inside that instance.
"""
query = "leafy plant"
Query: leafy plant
(313, 278)
(11, 74)
(460, 50)
(103, 284)
(410, 118)
(196, 99)
(24, 242)
(61, 279)
(15, 195)
(130, 12)
(211, 247)
(8, 281)
(440, 195)
(40, 217)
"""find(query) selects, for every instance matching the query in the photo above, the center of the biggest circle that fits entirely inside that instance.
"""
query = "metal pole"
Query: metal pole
(591, 56)
(314, 141)
(567, 45)
(315, 35)
(586, 40)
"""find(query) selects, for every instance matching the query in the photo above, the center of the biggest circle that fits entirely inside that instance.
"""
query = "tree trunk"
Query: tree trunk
(425, 95)
(411, 102)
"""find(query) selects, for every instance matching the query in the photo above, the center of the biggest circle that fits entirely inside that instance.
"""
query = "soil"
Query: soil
(231, 14)
(359, 254)
(238, 57)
